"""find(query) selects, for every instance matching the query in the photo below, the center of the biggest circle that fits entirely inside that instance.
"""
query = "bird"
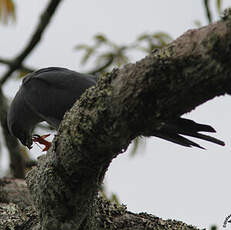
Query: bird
(46, 94)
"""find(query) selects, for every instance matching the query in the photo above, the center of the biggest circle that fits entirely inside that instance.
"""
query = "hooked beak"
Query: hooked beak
(28, 143)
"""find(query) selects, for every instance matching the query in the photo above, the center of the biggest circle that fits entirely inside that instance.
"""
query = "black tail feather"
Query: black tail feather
(173, 130)
(205, 137)
(177, 139)
(183, 124)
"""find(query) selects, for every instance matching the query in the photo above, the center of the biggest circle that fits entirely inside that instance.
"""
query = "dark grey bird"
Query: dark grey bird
(46, 94)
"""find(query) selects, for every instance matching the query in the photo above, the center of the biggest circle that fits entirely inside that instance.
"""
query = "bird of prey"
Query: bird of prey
(46, 94)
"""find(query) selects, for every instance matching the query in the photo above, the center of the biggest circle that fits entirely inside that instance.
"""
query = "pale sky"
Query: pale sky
(164, 179)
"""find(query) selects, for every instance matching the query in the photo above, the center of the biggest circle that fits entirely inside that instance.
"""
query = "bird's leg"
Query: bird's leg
(41, 140)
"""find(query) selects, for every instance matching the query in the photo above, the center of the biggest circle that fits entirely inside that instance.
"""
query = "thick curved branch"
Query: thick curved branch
(17, 211)
(128, 102)
(35, 38)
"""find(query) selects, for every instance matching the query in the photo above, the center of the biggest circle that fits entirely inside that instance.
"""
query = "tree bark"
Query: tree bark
(17, 162)
(17, 212)
(135, 100)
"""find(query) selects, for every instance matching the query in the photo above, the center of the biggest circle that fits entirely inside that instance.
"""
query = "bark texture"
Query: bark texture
(135, 100)
(17, 212)
(17, 164)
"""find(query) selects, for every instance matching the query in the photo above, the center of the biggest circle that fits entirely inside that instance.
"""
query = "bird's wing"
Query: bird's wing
(51, 92)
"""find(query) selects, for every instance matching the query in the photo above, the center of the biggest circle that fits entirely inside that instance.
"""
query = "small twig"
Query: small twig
(207, 10)
(103, 67)
(22, 67)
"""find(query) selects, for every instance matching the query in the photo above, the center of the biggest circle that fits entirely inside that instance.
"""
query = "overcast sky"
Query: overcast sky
(164, 179)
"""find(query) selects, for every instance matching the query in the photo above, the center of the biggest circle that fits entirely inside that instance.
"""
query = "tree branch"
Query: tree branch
(208, 11)
(129, 102)
(17, 211)
(10, 63)
(17, 164)
(44, 21)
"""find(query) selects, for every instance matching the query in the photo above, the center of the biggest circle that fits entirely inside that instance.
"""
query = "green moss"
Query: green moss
(107, 211)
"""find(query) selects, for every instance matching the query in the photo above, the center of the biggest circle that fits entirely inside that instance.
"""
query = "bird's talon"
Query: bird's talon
(41, 140)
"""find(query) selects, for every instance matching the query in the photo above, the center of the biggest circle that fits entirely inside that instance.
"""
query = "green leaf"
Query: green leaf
(7, 11)
(100, 38)
(197, 23)
(143, 37)
(138, 143)
(82, 47)
(114, 198)
(148, 42)
(89, 52)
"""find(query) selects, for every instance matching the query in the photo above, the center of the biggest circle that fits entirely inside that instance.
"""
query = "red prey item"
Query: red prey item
(41, 140)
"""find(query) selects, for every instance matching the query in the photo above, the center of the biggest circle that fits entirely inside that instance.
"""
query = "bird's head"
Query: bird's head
(25, 139)
(23, 134)
(20, 120)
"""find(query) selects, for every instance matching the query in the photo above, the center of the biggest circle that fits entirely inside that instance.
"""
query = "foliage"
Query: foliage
(7, 11)
(112, 197)
(107, 54)
(208, 10)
